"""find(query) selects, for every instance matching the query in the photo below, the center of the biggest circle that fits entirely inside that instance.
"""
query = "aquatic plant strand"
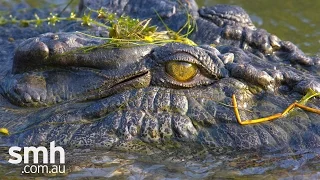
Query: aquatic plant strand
(123, 30)
(300, 104)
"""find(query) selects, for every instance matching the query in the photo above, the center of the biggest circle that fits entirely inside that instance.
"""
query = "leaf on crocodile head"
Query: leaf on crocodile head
(125, 31)
(310, 94)
(189, 27)
(4, 131)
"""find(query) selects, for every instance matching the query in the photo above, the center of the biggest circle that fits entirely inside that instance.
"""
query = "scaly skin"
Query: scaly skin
(125, 98)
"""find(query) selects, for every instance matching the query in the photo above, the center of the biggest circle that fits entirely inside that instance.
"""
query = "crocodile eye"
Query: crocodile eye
(181, 71)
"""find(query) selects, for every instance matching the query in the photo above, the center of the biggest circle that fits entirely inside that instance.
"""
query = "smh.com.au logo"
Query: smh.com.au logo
(47, 166)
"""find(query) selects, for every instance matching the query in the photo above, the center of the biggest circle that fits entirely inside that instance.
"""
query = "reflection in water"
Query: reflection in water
(101, 164)
(296, 21)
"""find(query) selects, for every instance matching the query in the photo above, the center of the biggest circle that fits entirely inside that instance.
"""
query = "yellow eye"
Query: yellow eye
(181, 71)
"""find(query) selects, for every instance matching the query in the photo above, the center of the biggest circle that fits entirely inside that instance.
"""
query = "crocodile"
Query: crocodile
(131, 98)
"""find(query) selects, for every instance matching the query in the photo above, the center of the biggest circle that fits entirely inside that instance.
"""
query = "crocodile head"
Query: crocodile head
(126, 98)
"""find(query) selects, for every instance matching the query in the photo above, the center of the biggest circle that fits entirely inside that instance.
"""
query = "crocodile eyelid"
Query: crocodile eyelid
(182, 56)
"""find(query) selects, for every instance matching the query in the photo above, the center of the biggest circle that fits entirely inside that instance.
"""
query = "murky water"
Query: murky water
(96, 164)
(296, 21)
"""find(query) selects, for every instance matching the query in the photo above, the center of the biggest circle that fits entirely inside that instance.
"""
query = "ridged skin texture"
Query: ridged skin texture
(124, 98)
